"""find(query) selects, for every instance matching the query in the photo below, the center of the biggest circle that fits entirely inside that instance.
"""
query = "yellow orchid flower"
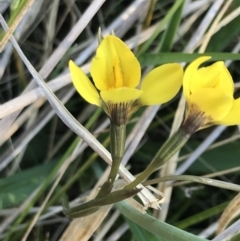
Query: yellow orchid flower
(209, 95)
(116, 74)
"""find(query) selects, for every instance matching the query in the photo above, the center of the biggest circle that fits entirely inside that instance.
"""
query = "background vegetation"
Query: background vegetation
(41, 158)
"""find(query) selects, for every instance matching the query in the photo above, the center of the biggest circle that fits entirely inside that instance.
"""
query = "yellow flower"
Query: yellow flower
(209, 94)
(116, 74)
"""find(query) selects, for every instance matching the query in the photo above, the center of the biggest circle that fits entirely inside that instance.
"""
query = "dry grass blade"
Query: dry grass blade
(28, 135)
(229, 214)
(83, 229)
(198, 34)
(226, 20)
(107, 225)
(228, 233)
(56, 56)
(214, 26)
(15, 24)
(35, 94)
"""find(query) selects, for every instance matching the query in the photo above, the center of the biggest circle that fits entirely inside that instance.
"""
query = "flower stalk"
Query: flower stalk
(93, 205)
(117, 143)
(169, 148)
(117, 140)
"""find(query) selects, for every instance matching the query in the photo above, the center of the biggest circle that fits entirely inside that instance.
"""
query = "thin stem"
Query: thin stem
(190, 178)
(169, 148)
(117, 139)
(90, 207)
(117, 142)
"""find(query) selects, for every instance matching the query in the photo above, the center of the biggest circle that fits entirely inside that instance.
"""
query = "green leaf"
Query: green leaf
(157, 59)
(16, 188)
(210, 212)
(170, 32)
(141, 234)
(163, 230)
(160, 27)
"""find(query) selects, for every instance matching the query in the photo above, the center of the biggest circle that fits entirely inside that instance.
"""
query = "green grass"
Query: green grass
(46, 147)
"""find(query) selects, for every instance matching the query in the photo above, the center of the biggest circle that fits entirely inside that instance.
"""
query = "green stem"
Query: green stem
(155, 226)
(117, 142)
(169, 148)
(190, 178)
(117, 139)
(90, 207)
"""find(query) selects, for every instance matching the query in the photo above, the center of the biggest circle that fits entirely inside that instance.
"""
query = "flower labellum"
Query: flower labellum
(209, 95)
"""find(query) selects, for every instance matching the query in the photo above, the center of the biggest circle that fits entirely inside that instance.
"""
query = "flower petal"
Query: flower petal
(233, 116)
(213, 76)
(190, 72)
(120, 95)
(205, 77)
(83, 85)
(161, 84)
(226, 82)
(213, 102)
(114, 65)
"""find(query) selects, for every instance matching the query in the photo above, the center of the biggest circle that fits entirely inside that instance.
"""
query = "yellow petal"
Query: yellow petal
(114, 65)
(213, 76)
(213, 102)
(205, 77)
(121, 95)
(83, 85)
(161, 84)
(233, 117)
(190, 72)
(226, 82)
